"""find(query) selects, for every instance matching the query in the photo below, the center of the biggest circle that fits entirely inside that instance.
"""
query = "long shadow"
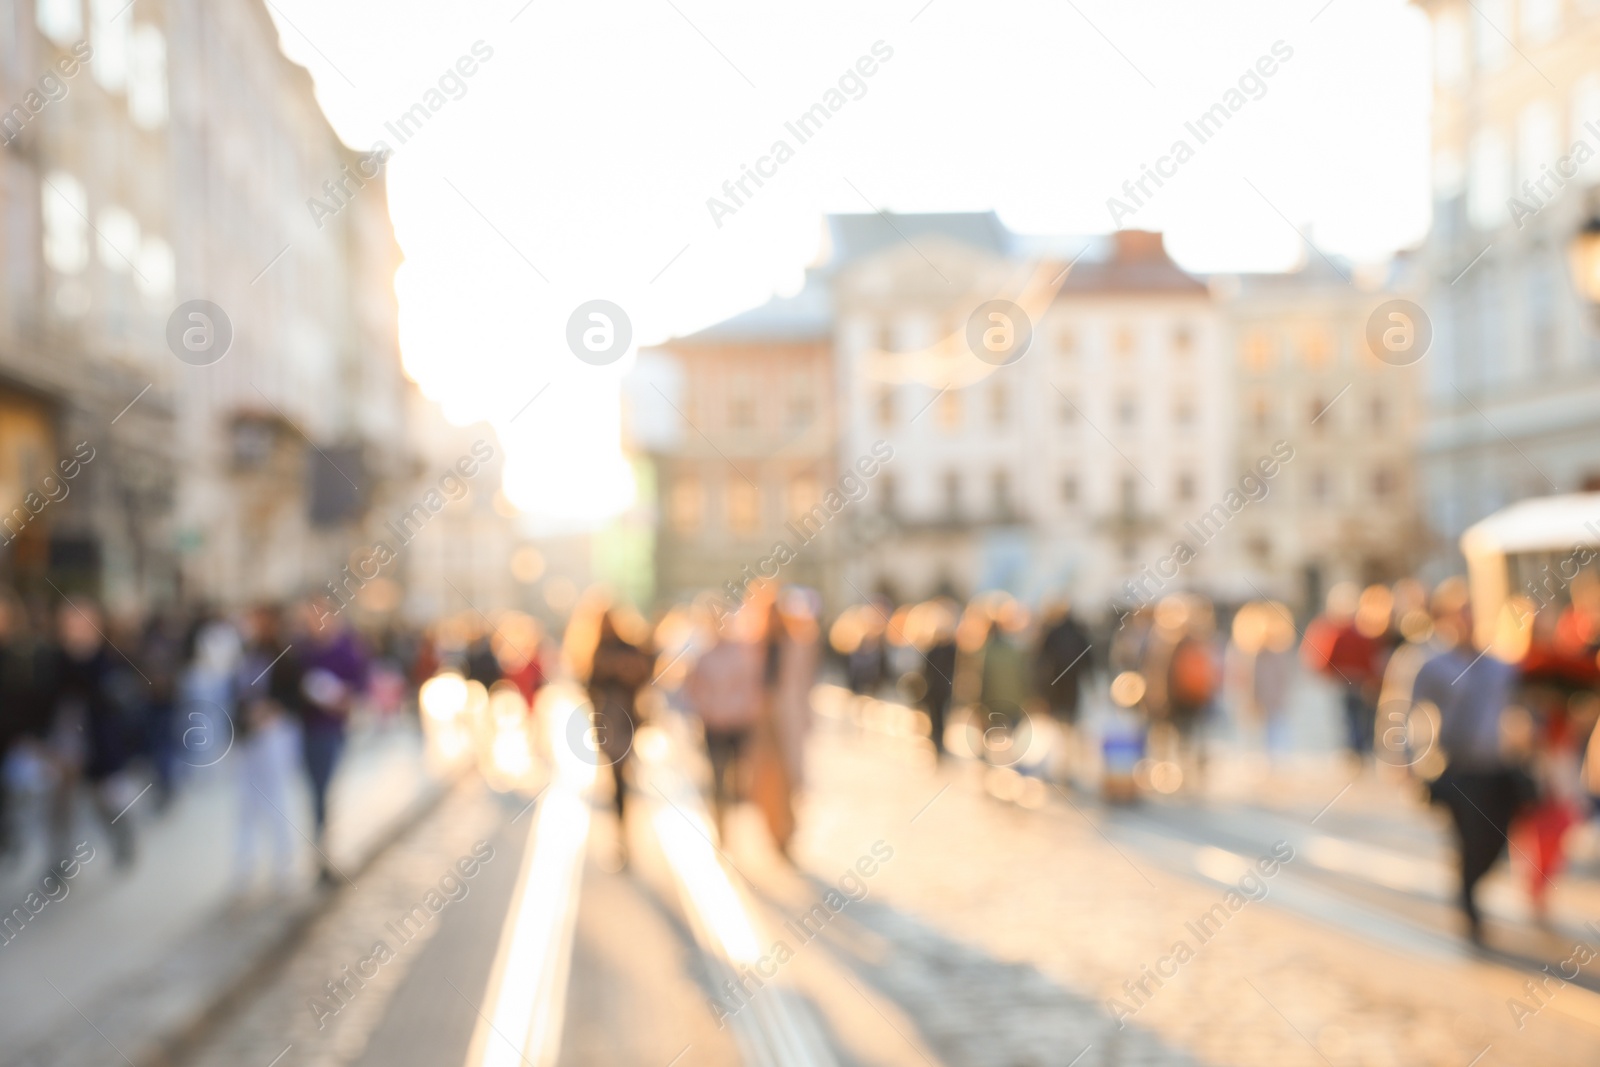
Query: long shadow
(970, 1008)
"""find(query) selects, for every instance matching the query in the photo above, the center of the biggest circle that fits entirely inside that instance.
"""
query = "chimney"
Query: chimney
(1140, 246)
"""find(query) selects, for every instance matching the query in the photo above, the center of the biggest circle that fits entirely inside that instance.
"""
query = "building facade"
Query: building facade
(1513, 381)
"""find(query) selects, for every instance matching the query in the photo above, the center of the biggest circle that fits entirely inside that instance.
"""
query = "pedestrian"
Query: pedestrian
(89, 690)
(936, 638)
(1003, 684)
(265, 746)
(608, 649)
(329, 665)
(1260, 668)
(1060, 665)
(724, 690)
(161, 657)
(206, 693)
(1351, 657)
(19, 708)
(790, 655)
(1479, 786)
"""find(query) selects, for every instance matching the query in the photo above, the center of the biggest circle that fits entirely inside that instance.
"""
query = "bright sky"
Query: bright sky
(579, 161)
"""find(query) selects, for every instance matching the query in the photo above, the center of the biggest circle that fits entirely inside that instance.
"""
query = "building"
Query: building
(1346, 507)
(87, 227)
(737, 421)
(1513, 381)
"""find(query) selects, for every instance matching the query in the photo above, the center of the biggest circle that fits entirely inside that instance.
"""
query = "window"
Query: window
(1123, 341)
(1449, 49)
(886, 406)
(1488, 180)
(952, 494)
(1379, 411)
(147, 78)
(886, 337)
(118, 239)
(1185, 487)
(950, 410)
(1538, 142)
(1316, 349)
(1259, 351)
(1067, 411)
(1067, 343)
(1183, 339)
(1127, 409)
(1183, 413)
(1129, 495)
(802, 495)
(1319, 414)
(802, 404)
(686, 504)
(1321, 486)
(1069, 489)
(1000, 491)
(999, 405)
(157, 270)
(110, 37)
(1541, 20)
(1261, 411)
(65, 206)
(741, 402)
(888, 496)
(1383, 482)
(744, 506)
(1586, 108)
(1489, 46)
(60, 20)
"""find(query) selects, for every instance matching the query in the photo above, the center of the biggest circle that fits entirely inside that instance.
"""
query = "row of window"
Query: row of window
(1486, 33)
(116, 236)
(1322, 411)
(994, 404)
(1067, 341)
(1533, 169)
(129, 57)
(743, 503)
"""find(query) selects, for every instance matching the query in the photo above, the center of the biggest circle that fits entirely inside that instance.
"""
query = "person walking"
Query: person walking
(266, 743)
(724, 689)
(790, 670)
(1479, 787)
(1003, 685)
(1337, 648)
(1060, 665)
(328, 666)
(937, 638)
(88, 691)
(607, 648)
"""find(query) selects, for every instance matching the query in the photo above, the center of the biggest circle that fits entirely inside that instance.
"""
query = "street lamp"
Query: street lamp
(1583, 258)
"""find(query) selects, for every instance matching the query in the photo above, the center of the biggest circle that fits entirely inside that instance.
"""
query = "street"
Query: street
(995, 933)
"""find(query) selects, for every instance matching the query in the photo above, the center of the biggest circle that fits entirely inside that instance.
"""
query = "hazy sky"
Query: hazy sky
(578, 162)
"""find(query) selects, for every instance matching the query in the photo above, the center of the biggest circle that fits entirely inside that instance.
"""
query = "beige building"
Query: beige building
(1513, 390)
(163, 153)
(1346, 506)
(737, 421)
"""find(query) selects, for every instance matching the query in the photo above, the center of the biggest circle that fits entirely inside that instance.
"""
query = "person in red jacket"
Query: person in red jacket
(1344, 644)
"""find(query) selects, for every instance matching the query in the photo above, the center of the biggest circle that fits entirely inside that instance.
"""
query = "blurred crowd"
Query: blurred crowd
(98, 711)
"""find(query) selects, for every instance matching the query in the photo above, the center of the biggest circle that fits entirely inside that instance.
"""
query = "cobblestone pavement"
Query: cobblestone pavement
(1003, 933)
(278, 1019)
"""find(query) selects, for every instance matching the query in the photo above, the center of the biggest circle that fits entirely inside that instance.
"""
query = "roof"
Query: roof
(1137, 263)
(805, 316)
(1542, 524)
(853, 236)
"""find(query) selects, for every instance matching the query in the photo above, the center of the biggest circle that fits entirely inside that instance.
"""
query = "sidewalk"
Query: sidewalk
(143, 955)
